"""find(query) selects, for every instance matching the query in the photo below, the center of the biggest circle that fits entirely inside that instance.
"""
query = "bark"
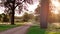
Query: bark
(12, 17)
(44, 13)
(13, 13)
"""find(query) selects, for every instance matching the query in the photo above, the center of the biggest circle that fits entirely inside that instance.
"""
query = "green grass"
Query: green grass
(5, 27)
(53, 32)
(38, 30)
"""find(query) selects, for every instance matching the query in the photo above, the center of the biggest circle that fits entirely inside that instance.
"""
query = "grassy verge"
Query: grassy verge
(38, 30)
(5, 27)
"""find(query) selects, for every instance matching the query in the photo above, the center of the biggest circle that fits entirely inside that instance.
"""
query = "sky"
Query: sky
(2, 10)
(31, 8)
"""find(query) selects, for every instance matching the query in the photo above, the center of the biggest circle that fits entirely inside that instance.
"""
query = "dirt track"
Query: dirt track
(17, 30)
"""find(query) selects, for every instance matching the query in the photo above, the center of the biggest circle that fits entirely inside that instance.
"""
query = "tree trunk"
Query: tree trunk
(13, 12)
(44, 13)
(12, 17)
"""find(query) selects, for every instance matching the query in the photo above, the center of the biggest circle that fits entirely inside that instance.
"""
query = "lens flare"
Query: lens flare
(55, 6)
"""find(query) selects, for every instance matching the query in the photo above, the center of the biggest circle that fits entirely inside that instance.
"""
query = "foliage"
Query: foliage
(53, 17)
(27, 17)
(55, 27)
(12, 4)
(37, 18)
(5, 18)
(37, 10)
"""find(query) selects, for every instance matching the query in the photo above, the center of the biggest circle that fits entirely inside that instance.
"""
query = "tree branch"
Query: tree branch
(16, 5)
(10, 5)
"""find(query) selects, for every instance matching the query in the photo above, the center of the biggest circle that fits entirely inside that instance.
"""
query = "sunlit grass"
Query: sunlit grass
(38, 30)
(53, 32)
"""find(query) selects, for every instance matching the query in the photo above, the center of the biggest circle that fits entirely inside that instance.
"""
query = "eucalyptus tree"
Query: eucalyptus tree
(44, 10)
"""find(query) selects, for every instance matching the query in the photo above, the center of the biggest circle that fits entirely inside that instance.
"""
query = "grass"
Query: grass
(5, 27)
(53, 32)
(38, 30)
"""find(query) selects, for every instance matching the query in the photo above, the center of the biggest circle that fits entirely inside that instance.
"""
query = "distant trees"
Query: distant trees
(37, 12)
(53, 18)
(27, 17)
(59, 17)
(4, 17)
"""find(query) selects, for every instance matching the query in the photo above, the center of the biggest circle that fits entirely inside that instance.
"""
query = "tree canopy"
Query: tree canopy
(10, 6)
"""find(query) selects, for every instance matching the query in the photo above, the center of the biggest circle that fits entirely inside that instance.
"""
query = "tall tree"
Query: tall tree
(44, 13)
(12, 4)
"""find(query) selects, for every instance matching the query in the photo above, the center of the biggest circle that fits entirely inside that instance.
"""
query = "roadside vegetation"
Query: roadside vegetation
(38, 30)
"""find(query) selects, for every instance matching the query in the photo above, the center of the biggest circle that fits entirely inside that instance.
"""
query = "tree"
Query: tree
(43, 10)
(44, 13)
(12, 4)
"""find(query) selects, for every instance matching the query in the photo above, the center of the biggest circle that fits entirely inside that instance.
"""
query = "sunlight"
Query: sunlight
(32, 7)
(55, 2)
(55, 6)
(2, 10)
(0, 1)
(55, 11)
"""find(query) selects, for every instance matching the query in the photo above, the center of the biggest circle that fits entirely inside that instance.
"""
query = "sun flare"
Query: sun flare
(55, 6)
